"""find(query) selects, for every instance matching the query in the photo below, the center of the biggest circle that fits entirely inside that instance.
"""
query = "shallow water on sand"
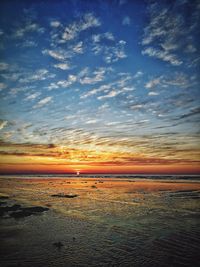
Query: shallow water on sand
(112, 222)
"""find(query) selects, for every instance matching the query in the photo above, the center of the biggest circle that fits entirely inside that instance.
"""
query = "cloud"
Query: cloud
(72, 30)
(153, 83)
(29, 27)
(177, 79)
(91, 121)
(192, 112)
(114, 93)
(97, 38)
(3, 124)
(109, 36)
(137, 107)
(3, 66)
(64, 54)
(138, 74)
(2, 86)
(58, 55)
(78, 48)
(12, 74)
(114, 53)
(14, 91)
(153, 93)
(98, 76)
(126, 21)
(190, 48)
(122, 2)
(112, 89)
(169, 34)
(33, 96)
(109, 95)
(162, 54)
(52, 86)
(62, 66)
(43, 102)
(95, 91)
(39, 75)
(55, 23)
(66, 83)
(29, 43)
(106, 45)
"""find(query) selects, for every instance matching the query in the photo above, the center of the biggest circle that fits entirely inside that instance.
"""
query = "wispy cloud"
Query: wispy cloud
(55, 23)
(126, 20)
(97, 38)
(98, 76)
(192, 112)
(57, 54)
(112, 89)
(39, 75)
(153, 93)
(72, 30)
(168, 33)
(29, 43)
(106, 45)
(3, 124)
(96, 90)
(2, 86)
(66, 83)
(113, 54)
(33, 96)
(152, 83)
(78, 48)
(62, 66)
(43, 102)
(177, 79)
(4, 66)
(163, 55)
(109, 95)
(29, 27)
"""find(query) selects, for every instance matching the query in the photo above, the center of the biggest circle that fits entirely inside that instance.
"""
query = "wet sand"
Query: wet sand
(100, 222)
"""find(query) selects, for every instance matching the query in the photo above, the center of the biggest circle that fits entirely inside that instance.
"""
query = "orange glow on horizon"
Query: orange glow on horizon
(63, 169)
(55, 159)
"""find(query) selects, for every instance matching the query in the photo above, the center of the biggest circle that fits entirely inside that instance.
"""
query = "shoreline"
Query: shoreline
(92, 222)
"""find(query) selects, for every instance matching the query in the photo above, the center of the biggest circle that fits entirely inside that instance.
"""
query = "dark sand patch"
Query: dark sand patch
(17, 211)
(61, 195)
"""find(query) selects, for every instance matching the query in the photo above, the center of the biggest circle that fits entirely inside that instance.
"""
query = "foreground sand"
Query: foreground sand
(109, 222)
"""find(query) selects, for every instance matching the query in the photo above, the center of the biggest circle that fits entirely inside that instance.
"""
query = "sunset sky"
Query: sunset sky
(99, 86)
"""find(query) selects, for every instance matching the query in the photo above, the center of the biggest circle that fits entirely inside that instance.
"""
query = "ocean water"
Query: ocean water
(114, 221)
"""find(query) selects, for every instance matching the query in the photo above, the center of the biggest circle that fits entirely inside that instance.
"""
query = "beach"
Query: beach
(85, 221)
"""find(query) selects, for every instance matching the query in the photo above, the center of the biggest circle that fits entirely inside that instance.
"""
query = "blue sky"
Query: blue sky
(109, 75)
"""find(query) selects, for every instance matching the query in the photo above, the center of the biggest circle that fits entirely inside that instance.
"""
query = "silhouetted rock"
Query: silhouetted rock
(35, 209)
(4, 197)
(2, 203)
(5, 210)
(17, 211)
(65, 196)
(58, 244)
(25, 212)
(20, 214)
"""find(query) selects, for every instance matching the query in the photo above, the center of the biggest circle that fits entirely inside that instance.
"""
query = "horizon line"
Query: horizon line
(100, 173)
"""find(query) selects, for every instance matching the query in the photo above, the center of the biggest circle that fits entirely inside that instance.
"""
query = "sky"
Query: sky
(99, 86)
